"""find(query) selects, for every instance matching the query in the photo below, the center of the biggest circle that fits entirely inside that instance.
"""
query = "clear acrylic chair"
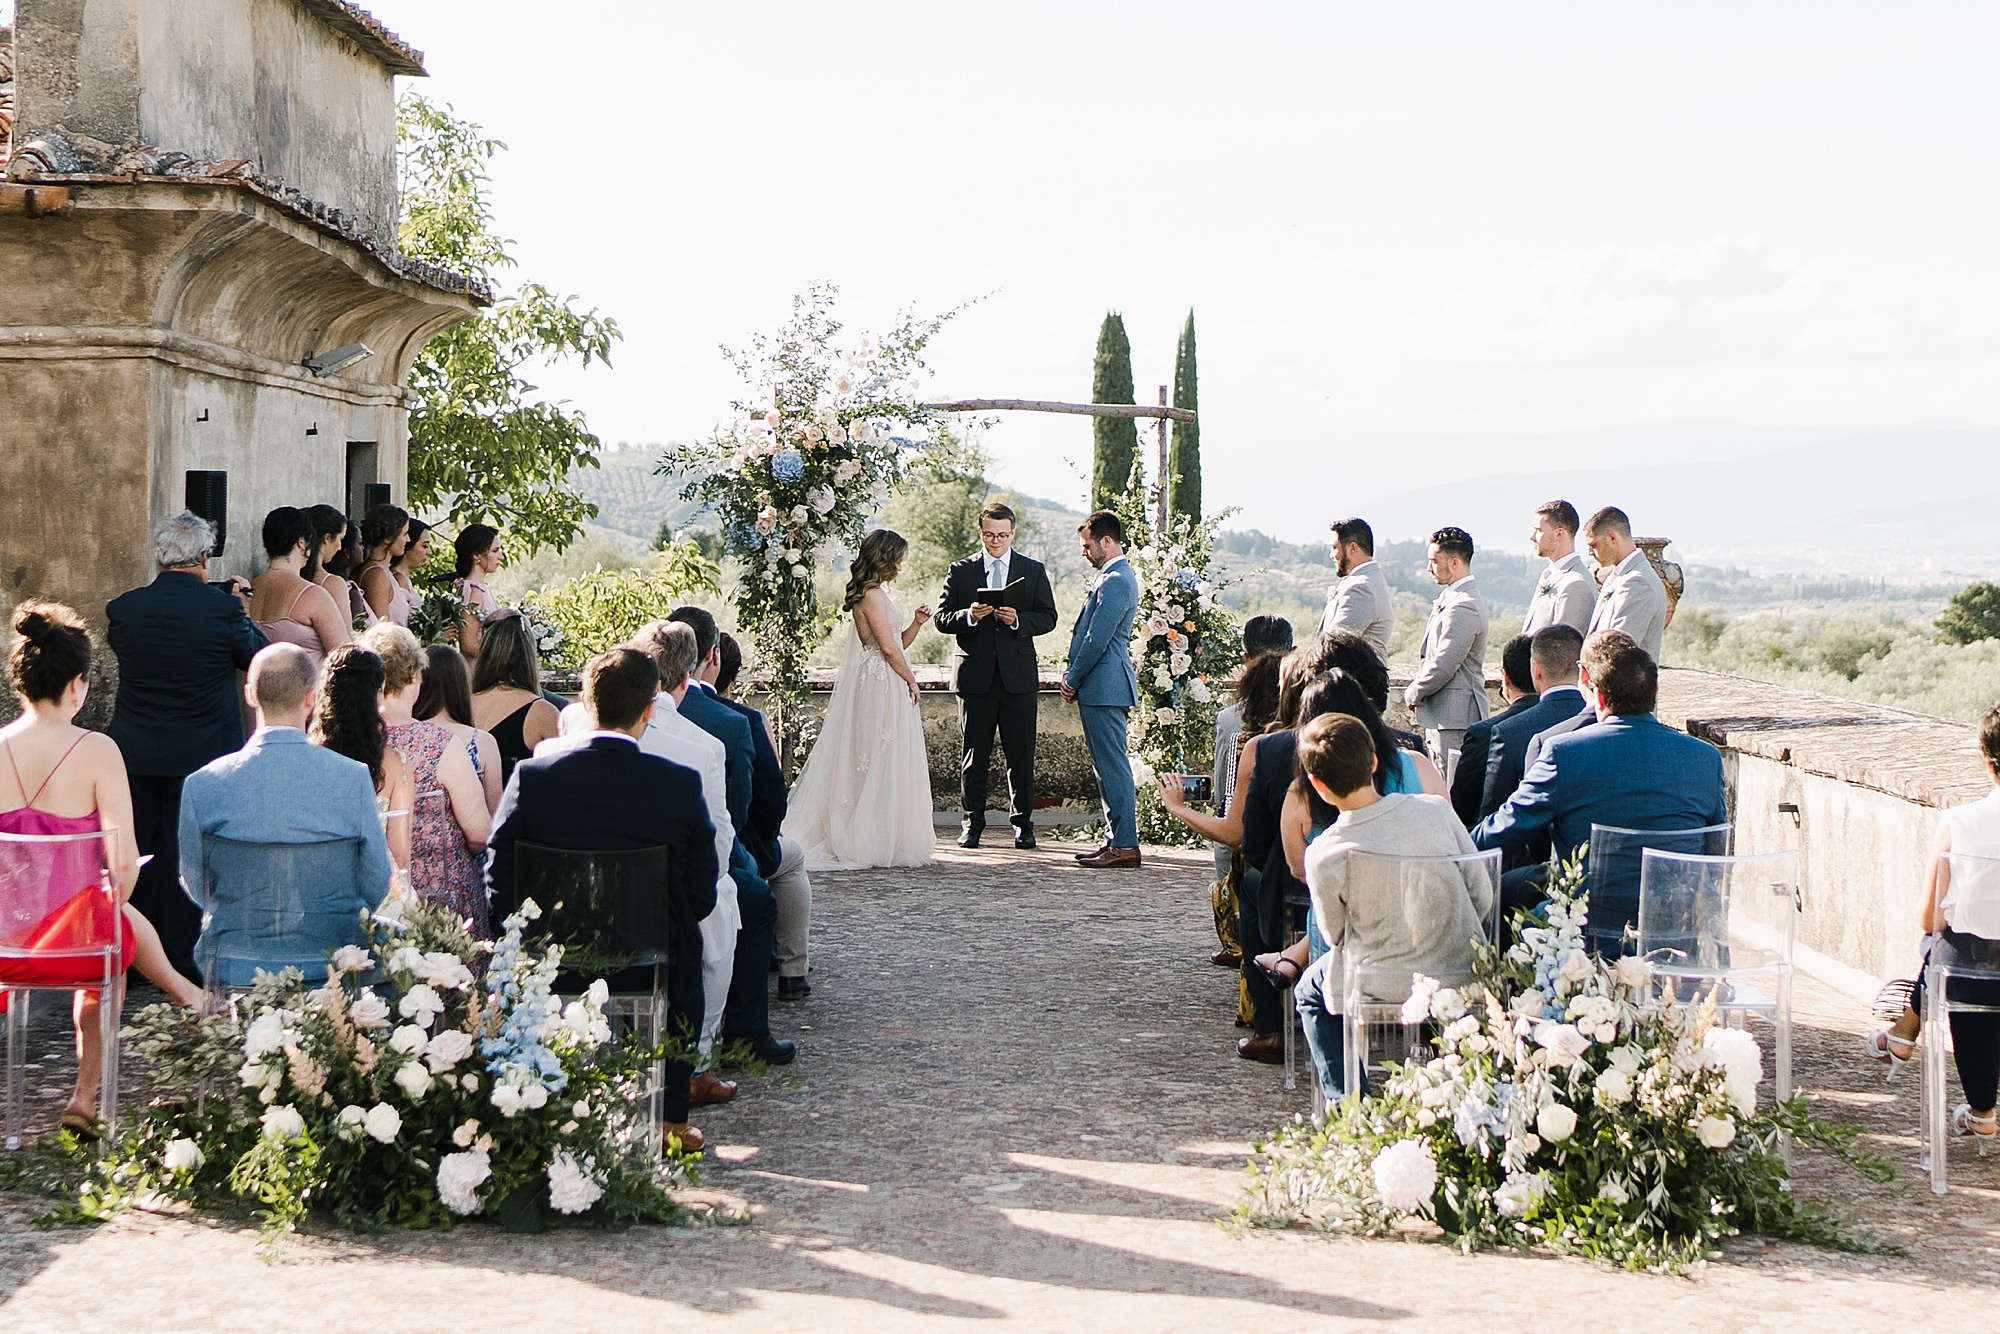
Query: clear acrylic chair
(1724, 926)
(1612, 874)
(1969, 890)
(1372, 1028)
(62, 928)
(609, 911)
(270, 906)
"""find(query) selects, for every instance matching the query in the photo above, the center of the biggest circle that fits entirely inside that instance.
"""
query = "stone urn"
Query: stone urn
(1670, 572)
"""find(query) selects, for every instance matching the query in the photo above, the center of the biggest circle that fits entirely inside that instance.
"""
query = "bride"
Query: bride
(864, 797)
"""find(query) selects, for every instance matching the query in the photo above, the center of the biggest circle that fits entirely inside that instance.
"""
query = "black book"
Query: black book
(1014, 595)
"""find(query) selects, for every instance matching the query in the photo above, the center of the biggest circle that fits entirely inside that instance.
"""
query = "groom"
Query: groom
(1101, 682)
(993, 670)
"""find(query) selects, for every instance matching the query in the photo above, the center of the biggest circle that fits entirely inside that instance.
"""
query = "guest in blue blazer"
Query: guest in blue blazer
(1553, 652)
(1101, 683)
(1627, 770)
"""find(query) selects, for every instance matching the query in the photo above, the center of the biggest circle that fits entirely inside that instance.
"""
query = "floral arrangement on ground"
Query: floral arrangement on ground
(421, 1083)
(1573, 1104)
(1185, 646)
(796, 471)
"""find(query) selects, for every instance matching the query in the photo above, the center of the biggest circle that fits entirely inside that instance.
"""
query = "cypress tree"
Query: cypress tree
(1184, 449)
(1115, 439)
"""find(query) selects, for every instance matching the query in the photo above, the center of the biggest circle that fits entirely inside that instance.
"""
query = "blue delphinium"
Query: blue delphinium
(788, 465)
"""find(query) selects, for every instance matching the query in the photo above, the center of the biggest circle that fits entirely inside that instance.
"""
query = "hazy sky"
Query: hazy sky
(1405, 230)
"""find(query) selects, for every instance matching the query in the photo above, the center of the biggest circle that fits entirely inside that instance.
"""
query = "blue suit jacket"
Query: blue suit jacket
(732, 729)
(180, 644)
(768, 801)
(1475, 756)
(1629, 771)
(1100, 647)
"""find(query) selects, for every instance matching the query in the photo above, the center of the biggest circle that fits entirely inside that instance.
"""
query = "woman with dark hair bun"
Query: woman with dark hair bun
(287, 606)
(479, 557)
(416, 551)
(347, 719)
(59, 779)
(385, 532)
(330, 526)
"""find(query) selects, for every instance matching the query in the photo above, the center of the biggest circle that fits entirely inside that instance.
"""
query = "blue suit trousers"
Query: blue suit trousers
(1104, 732)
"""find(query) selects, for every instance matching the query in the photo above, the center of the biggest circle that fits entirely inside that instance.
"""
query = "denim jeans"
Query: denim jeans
(1319, 1016)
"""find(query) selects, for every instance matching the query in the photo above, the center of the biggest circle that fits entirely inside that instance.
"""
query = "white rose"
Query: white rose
(1632, 972)
(1716, 1132)
(382, 1122)
(1575, 967)
(1564, 1043)
(182, 1155)
(836, 434)
(1614, 1087)
(414, 1080)
(282, 1123)
(409, 1040)
(1520, 1191)
(1163, 679)
(800, 572)
(1741, 1060)
(1556, 1122)
(1198, 692)
(369, 1010)
(1405, 1176)
(580, 1110)
(350, 1121)
(572, 1189)
(800, 513)
(506, 1099)
(860, 432)
(447, 1049)
(442, 968)
(1165, 717)
(421, 1004)
(534, 1097)
(265, 1035)
(843, 383)
(470, 1083)
(1180, 662)
(462, 1136)
(459, 1177)
(352, 959)
(1610, 1189)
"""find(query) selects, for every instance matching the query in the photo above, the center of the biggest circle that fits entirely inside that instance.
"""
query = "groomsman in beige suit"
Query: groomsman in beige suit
(1566, 593)
(1448, 693)
(1360, 603)
(1632, 598)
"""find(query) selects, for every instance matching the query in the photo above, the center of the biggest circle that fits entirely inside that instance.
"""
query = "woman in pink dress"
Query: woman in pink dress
(284, 604)
(385, 532)
(57, 778)
(479, 557)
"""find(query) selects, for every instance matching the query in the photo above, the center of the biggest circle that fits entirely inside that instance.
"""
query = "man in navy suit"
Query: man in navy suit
(1627, 770)
(609, 796)
(1101, 683)
(780, 860)
(179, 643)
(1517, 688)
(747, 1018)
(1553, 652)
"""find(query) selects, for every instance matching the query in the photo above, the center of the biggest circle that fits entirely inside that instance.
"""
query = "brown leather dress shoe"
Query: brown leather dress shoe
(1266, 1047)
(1099, 851)
(690, 1138)
(1111, 858)
(708, 1088)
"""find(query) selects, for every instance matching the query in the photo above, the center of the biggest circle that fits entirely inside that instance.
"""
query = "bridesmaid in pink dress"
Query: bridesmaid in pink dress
(60, 779)
(283, 603)
(385, 531)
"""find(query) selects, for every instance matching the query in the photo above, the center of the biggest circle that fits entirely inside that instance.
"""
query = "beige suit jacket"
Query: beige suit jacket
(1361, 604)
(1565, 595)
(1449, 689)
(1633, 600)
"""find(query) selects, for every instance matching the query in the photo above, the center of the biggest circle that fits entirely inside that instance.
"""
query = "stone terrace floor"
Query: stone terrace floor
(1018, 1105)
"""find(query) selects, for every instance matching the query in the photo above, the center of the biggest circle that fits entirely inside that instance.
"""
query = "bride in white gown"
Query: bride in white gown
(864, 797)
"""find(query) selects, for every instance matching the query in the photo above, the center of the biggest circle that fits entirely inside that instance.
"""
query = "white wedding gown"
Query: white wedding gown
(864, 797)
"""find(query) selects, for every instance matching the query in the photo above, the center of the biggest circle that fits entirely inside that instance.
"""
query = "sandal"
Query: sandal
(1273, 966)
(1882, 1044)
(1964, 1123)
(82, 1125)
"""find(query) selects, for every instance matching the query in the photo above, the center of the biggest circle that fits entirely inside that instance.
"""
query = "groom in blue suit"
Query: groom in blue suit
(1101, 682)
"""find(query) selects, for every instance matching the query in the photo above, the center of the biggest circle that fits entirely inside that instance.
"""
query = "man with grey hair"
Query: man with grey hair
(1632, 599)
(179, 642)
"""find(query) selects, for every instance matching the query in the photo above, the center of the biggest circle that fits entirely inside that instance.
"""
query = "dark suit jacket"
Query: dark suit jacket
(1468, 783)
(768, 801)
(705, 710)
(1507, 750)
(609, 796)
(180, 644)
(1263, 849)
(989, 655)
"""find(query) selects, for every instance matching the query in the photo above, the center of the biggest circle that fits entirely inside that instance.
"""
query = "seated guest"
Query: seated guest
(672, 737)
(1961, 913)
(609, 796)
(780, 860)
(179, 644)
(748, 1017)
(59, 780)
(385, 532)
(279, 789)
(347, 720)
(1628, 770)
(1390, 928)
(284, 604)
(1517, 690)
(446, 699)
(1252, 709)
(449, 819)
(507, 692)
(1552, 669)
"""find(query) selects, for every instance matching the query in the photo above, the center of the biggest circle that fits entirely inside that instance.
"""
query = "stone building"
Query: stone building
(199, 205)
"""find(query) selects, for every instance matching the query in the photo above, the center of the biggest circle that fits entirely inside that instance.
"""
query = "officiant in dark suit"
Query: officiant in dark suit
(993, 669)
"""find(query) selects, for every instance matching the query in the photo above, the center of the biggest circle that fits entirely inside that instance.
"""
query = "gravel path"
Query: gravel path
(1017, 1102)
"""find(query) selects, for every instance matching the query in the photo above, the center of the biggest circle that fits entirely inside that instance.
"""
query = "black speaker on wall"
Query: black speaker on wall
(373, 494)
(208, 496)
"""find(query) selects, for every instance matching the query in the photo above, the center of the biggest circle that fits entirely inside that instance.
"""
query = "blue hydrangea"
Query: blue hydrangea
(788, 465)
(1187, 579)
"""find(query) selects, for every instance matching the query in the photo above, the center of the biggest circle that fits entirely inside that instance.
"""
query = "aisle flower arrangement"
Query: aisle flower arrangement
(421, 1082)
(1185, 648)
(798, 468)
(1568, 1105)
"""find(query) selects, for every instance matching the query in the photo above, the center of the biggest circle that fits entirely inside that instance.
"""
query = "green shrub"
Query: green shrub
(1972, 614)
(600, 609)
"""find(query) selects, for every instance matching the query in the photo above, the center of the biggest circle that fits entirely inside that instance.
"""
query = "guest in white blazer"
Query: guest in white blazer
(1360, 603)
(1448, 693)
(1632, 598)
(1566, 593)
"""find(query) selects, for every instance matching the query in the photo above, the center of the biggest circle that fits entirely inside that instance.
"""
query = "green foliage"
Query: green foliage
(1115, 440)
(936, 505)
(1972, 614)
(1184, 449)
(663, 536)
(483, 447)
(600, 609)
(437, 617)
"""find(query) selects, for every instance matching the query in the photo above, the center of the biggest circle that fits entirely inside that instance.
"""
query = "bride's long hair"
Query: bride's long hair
(881, 555)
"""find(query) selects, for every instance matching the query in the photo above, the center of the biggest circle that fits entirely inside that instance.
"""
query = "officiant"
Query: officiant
(994, 604)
